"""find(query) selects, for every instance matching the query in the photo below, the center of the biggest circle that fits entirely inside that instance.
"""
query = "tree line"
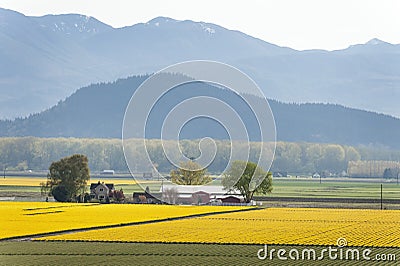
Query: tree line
(38, 153)
(386, 169)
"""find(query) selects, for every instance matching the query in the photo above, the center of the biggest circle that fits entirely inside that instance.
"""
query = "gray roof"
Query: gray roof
(94, 185)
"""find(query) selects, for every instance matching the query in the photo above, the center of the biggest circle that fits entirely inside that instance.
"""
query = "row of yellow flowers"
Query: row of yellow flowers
(268, 226)
(28, 218)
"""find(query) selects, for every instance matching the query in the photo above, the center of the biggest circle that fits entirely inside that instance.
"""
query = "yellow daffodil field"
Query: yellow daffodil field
(288, 226)
(30, 218)
(33, 232)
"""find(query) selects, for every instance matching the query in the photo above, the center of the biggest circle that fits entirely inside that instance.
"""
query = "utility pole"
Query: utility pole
(5, 167)
(381, 197)
(162, 190)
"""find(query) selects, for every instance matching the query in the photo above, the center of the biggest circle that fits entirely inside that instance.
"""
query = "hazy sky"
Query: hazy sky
(300, 24)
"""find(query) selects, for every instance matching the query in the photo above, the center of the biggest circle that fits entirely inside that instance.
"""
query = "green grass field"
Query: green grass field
(334, 189)
(81, 253)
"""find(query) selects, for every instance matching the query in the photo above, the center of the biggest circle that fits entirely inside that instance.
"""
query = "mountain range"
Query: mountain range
(45, 59)
(97, 111)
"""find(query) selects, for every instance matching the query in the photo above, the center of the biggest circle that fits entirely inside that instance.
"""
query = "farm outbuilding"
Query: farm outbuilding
(200, 197)
(201, 194)
(231, 200)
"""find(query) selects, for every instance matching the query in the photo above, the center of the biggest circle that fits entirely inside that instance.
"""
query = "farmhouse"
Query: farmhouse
(101, 191)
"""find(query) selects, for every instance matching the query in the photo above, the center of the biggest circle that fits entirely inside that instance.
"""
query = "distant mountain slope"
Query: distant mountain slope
(40, 66)
(97, 111)
(44, 59)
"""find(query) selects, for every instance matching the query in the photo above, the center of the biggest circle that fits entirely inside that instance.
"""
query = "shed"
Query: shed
(230, 199)
(200, 197)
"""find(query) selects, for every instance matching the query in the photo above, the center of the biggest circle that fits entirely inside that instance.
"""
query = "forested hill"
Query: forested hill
(97, 111)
